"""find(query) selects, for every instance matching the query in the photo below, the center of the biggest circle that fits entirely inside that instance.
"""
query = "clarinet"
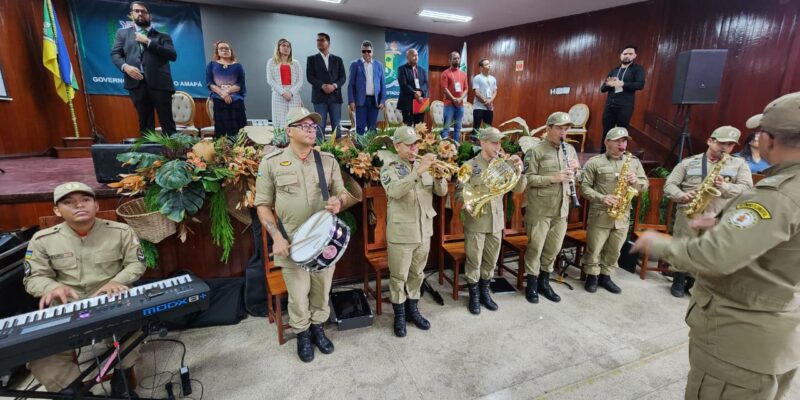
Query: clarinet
(573, 193)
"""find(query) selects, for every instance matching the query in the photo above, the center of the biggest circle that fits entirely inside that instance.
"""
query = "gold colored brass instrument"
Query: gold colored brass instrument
(623, 191)
(441, 169)
(707, 190)
(498, 179)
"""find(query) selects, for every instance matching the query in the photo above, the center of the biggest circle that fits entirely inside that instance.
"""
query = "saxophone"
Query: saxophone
(707, 190)
(623, 191)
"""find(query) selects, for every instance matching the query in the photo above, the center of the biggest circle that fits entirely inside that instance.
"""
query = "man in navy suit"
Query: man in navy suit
(366, 89)
(325, 73)
(143, 54)
(413, 81)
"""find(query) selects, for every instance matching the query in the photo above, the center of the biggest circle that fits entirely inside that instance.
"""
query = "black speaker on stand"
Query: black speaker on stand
(698, 75)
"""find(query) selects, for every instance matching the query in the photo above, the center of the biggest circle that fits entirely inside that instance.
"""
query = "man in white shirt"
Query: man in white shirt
(485, 87)
(366, 89)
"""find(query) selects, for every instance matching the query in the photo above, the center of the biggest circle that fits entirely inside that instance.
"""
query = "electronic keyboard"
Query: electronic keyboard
(41, 333)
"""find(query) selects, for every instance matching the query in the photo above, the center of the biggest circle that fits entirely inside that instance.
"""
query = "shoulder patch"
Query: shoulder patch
(28, 254)
(759, 209)
(45, 232)
(743, 219)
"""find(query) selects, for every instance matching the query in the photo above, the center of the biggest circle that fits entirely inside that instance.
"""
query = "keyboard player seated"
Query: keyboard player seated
(82, 257)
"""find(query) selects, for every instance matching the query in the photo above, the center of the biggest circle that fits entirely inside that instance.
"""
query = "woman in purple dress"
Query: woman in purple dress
(225, 79)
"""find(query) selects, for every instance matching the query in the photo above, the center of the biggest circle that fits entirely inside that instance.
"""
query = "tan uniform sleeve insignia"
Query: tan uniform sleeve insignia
(744, 218)
(759, 209)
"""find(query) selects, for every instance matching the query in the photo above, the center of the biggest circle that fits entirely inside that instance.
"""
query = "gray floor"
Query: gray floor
(600, 346)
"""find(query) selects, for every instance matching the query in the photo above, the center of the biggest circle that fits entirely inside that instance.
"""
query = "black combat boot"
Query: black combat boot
(486, 298)
(531, 294)
(413, 315)
(121, 386)
(399, 319)
(678, 288)
(304, 348)
(474, 304)
(318, 336)
(591, 283)
(545, 289)
(606, 283)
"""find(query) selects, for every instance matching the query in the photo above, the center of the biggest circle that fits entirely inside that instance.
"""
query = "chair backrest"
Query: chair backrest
(210, 109)
(758, 177)
(516, 224)
(266, 241)
(374, 232)
(579, 114)
(467, 119)
(437, 113)
(49, 221)
(578, 217)
(391, 114)
(451, 229)
(183, 108)
(651, 218)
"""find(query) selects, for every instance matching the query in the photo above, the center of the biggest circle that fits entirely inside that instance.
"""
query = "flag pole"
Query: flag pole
(72, 111)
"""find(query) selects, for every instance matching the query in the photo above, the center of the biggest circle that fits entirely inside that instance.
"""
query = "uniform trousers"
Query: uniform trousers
(309, 293)
(545, 236)
(482, 250)
(406, 269)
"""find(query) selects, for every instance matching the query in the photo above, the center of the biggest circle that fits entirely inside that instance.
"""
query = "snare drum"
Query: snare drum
(324, 239)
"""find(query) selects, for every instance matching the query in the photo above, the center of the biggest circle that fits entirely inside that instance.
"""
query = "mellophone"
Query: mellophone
(41, 333)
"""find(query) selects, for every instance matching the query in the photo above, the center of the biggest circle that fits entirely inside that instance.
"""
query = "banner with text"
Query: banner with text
(97, 22)
(397, 43)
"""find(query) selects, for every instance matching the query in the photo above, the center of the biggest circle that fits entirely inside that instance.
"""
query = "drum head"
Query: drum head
(315, 235)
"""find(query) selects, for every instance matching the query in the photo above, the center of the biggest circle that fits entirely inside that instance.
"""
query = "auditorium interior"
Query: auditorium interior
(546, 56)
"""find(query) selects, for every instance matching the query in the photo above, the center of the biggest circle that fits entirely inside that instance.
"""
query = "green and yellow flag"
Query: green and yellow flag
(55, 57)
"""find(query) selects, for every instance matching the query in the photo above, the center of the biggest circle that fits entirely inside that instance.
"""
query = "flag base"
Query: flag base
(75, 147)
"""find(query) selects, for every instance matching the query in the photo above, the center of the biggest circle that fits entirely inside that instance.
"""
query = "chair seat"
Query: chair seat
(276, 284)
(517, 242)
(578, 235)
(378, 261)
(639, 232)
(455, 250)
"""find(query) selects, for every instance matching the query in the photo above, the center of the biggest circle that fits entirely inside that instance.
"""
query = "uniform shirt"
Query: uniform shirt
(688, 175)
(599, 178)
(486, 86)
(290, 186)
(410, 209)
(745, 306)
(57, 256)
(491, 220)
(449, 78)
(547, 199)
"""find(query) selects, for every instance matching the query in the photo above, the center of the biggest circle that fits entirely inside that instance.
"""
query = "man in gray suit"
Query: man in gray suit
(143, 54)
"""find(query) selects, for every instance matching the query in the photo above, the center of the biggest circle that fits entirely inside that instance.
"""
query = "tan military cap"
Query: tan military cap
(490, 134)
(405, 135)
(754, 121)
(616, 133)
(65, 189)
(559, 118)
(298, 114)
(781, 115)
(726, 134)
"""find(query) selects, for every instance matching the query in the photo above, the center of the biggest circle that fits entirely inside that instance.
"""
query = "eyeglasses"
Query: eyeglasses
(306, 127)
(140, 11)
(223, 48)
(366, 51)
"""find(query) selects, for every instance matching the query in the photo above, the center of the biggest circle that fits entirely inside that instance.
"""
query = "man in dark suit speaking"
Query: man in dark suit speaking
(413, 81)
(143, 54)
(325, 73)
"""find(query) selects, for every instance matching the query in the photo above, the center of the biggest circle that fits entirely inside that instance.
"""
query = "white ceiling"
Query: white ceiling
(401, 14)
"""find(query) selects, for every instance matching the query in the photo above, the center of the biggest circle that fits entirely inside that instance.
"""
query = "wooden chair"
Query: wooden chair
(49, 221)
(652, 221)
(575, 236)
(208, 131)
(579, 114)
(515, 238)
(467, 122)
(451, 238)
(375, 200)
(276, 287)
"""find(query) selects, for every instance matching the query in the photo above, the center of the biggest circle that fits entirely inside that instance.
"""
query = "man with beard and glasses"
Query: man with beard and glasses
(144, 54)
(621, 85)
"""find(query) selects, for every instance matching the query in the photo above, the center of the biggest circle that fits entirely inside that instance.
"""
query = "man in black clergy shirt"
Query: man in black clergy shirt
(621, 84)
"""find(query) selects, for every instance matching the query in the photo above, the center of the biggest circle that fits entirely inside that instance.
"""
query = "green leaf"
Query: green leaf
(174, 175)
(210, 185)
(222, 172)
(175, 204)
(140, 160)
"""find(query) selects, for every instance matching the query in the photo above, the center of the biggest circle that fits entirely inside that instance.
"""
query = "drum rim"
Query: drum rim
(338, 257)
(329, 235)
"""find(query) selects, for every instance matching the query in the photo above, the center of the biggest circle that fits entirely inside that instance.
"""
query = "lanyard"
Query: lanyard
(623, 73)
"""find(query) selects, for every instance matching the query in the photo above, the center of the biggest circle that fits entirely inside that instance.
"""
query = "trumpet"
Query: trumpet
(440, 168)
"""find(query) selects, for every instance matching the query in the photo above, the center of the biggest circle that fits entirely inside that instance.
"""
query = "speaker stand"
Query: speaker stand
(684, 140)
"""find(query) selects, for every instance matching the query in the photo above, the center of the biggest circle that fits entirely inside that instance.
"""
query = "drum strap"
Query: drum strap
(323, 185)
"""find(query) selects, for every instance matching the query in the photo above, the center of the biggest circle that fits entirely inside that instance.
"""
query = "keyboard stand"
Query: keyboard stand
(82, 388)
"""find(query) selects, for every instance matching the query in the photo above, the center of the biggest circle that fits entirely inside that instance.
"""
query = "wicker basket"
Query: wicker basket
(231, 198)
(354, 192)
(151, 226)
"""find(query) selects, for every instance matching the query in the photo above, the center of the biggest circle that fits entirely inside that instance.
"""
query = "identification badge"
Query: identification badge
(617, 89)
(458, 87)
(416, 83)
